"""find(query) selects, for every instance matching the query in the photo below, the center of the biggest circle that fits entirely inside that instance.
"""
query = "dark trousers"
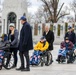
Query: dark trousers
(26, 55)
(14, 51)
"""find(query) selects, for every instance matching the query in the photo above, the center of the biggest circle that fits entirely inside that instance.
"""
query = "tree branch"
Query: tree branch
(60, 9)
(45, 2)
(62, 16)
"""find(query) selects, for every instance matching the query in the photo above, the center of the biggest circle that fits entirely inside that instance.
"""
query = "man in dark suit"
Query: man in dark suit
(25, 44)
(49, 35)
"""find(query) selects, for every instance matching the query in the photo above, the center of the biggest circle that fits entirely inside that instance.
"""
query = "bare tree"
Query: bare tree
(41, 16)
(52, 8)
(73, 7)
(70, 18)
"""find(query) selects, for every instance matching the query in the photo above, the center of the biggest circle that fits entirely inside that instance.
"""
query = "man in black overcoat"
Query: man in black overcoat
(49, 35)
(25, 44)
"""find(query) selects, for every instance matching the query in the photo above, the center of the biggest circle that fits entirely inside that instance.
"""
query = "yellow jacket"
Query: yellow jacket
(39, 46)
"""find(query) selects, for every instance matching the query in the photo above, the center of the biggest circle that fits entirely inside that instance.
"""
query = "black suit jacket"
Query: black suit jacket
(50, 38)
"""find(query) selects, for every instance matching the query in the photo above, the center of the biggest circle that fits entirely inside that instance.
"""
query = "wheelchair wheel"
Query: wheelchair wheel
(71, 60)
(62, 59)
(48, 58)
(41, 61)
(73, 56)
(5, 59)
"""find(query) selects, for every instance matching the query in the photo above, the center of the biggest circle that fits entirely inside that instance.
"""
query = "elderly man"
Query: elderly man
(49, 35)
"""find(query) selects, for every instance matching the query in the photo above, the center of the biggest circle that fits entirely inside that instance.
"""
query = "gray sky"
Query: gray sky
(36, 4)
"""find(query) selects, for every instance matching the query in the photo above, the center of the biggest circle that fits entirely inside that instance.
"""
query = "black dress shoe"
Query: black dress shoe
(21, 68)
(0, 67)
(26, 69)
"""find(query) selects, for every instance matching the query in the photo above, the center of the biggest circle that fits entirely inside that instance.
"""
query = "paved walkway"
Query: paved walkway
(54, 69)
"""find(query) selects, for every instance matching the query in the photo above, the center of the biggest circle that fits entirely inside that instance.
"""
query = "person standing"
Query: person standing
(25, 44)
(49, 35)
(13, 39)
(70, 34)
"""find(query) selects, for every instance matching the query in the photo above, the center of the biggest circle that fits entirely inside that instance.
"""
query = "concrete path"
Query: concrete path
(54, 69)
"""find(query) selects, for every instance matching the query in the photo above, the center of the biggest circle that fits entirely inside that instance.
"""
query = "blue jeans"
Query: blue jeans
(62, 52)
(35, 58)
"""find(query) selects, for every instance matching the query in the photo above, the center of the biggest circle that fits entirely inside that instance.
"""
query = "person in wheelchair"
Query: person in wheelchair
(65, 47)
(1, 57)
(4, 44)
(39, 48)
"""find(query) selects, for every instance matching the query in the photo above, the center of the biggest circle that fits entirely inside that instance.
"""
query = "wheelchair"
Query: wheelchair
(70, 57)
(45, 58)
(5, 59)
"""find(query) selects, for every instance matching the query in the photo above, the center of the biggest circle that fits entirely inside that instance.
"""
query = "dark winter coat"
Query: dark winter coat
(14, 39)
(50, 38)
(67, 46)
(26, 42)
(71, 36)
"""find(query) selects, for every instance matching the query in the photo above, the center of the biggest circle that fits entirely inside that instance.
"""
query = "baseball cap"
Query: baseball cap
(42, 38)
(66, 38)
(23, 18)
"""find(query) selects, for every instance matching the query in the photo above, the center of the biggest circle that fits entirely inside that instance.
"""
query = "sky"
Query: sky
(35, 4)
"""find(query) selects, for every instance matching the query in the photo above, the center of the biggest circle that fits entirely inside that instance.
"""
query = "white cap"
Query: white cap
(11, 25)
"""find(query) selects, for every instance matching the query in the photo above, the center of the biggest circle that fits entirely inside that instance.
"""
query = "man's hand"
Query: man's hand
(64, 48)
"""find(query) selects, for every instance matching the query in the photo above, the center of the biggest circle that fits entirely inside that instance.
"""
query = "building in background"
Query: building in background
(11, 13)
(0, 17)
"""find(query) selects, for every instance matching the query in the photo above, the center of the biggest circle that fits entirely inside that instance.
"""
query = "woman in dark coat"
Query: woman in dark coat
(49, 35)
(13, 38)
